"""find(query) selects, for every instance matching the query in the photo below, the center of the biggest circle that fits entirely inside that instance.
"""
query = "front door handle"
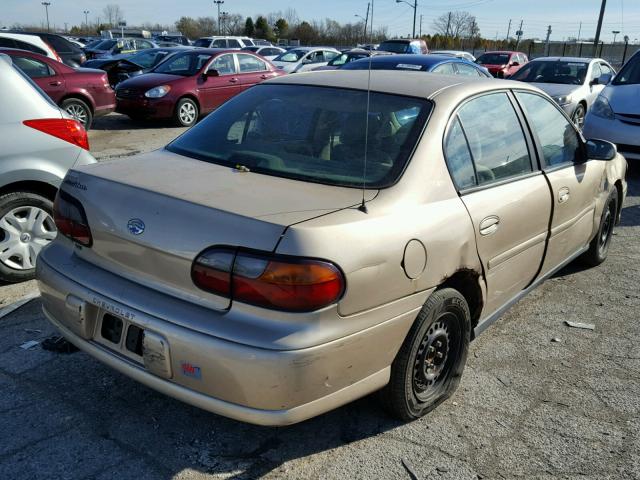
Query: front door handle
(264, 77)
(563, 194)
(489, 225)
(233, 80)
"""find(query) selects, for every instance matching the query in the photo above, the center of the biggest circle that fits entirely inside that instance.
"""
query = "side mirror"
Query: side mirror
(515, 64)
(212, 72)
(604, 78)
(601, 150)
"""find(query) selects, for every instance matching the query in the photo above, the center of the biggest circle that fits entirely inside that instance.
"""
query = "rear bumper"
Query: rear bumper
(103, 110)
(247, 383)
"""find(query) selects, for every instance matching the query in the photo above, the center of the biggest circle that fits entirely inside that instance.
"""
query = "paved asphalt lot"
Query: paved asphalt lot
(527, 407)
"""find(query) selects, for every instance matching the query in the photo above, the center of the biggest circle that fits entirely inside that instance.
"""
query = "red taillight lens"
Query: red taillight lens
(270, 281)
(71, 220)
(65, 129)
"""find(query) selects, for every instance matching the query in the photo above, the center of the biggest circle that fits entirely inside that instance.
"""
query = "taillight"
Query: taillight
(272, 281)
(53, 50)
(70, 219)
(66, 129)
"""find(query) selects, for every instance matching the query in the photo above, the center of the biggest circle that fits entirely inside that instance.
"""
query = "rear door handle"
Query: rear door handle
(55, 83)
(233, 80)
(563, 194)
(264, 77)
(489, 225)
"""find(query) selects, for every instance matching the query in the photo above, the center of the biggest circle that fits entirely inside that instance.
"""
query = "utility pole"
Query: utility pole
(218, 3)
(579, 32)
(508, 30)
(615, 34)
(519, 33)
(366, 21)
(596, 41)
(448, 24)
(65, 27)
(421, 25)
(546, 49)
(415, 11)
(46, 8)
(86, 21)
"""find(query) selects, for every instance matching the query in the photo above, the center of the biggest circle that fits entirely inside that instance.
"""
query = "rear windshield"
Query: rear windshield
(311, 133)
(147, 59)
(493, 59)
(630, 73)
(395, 47)
(567, 73)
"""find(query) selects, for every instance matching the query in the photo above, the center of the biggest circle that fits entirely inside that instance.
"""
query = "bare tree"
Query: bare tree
(456, 24)
(113, 13)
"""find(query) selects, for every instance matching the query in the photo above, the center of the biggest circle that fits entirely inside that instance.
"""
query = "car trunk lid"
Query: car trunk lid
(151, 215)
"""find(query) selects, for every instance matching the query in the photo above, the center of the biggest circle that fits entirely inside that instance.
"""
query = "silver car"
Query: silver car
(313, 241)
(574, 83)
(615, 115)
(40, 143)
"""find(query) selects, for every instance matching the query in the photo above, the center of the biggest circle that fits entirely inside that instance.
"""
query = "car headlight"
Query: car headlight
(158, 92)
(602, 109)
(562, 99)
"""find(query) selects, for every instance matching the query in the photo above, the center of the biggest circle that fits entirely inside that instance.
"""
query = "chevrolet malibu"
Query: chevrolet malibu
(297, 250)
(192, 83)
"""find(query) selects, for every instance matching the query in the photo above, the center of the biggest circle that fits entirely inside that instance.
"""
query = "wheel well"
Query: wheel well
(467, 282)
(191, 97)
(41, 188)
(79, 96)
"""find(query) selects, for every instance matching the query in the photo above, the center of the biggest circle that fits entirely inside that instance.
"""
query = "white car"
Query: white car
(268, 52)
(615, 115)
(32, 43)
(455, 53)
(304, 59)
(232, 43)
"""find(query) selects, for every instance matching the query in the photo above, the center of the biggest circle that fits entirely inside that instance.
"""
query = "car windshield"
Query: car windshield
(311, 133)
(346, 58)
(105, 45)
(395, 47)
(202, 42)
(630, 73)
(147, 59)
(567, 73)
(493, 59)
(291, 56)
(184, 64)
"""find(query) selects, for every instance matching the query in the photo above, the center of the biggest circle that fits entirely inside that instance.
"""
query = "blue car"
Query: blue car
(421, 63)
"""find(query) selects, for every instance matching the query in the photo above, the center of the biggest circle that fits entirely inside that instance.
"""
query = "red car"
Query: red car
(502, 64)
(82, 92)
(192, 83)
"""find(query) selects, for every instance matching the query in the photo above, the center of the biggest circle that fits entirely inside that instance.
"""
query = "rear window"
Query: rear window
(60, 45)
(493, 59)
(395, 47)
(310, 133)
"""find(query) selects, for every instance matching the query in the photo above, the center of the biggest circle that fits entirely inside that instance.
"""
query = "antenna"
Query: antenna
(363, 206)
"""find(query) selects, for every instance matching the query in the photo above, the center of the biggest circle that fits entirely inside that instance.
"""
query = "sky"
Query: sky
(493, 16)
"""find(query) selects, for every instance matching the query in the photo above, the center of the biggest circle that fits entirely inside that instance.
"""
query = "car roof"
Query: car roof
(308, 49)
(566, 59)
(412, 59)
(510, 52)
(400, 82)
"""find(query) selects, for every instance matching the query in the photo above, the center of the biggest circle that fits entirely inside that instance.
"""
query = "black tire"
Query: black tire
(180, 116)
(78, 110)
(578, 116)
(443, 327)
(8, 203)
(599, 246)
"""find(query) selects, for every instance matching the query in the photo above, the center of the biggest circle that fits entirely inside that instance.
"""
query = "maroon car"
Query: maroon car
(502, 63)
(192, 83)
(83, 93)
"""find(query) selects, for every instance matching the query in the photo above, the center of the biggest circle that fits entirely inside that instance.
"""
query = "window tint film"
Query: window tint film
(495, 137)
(308, 133)
(459, 158)
(557, 136)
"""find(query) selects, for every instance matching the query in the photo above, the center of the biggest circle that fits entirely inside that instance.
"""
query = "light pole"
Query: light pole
(218, 3)
(615, 34)
(415, 11)
(86, 21)
(224, 18)
(46, 9)
(365, 26)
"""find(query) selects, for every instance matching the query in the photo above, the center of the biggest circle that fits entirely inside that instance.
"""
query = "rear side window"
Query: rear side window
(202, 42)
(250, 64)
(220, 43)
(233, 43)
(311, 133)
(59, 44)
(467, 70)
(495, 138)
(31, 48)
(458, 157)
(445, 69)
(558, 137)
(32, 67)
(7, 43)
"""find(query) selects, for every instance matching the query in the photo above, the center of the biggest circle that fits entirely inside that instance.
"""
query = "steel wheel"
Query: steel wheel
(187, 113)
(599, 246)
(23, 232)
(606, 230)
(578, 117)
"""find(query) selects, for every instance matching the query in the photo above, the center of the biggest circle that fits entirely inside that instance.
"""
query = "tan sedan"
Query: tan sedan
(296, 251)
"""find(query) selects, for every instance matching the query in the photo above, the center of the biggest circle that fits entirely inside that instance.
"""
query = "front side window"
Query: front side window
(224, 64)
(495, 138)
(467, 70)
(219, 43)
(32, 67)
(249, 63)
(183, 64)
(558, 137)
(308, 133)
(606, 69)
(459, 158)
(202, 42)
(630, 73)
(291, 56)
(596, 72)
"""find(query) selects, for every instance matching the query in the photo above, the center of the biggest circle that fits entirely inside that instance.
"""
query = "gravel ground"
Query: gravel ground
(527, 407)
